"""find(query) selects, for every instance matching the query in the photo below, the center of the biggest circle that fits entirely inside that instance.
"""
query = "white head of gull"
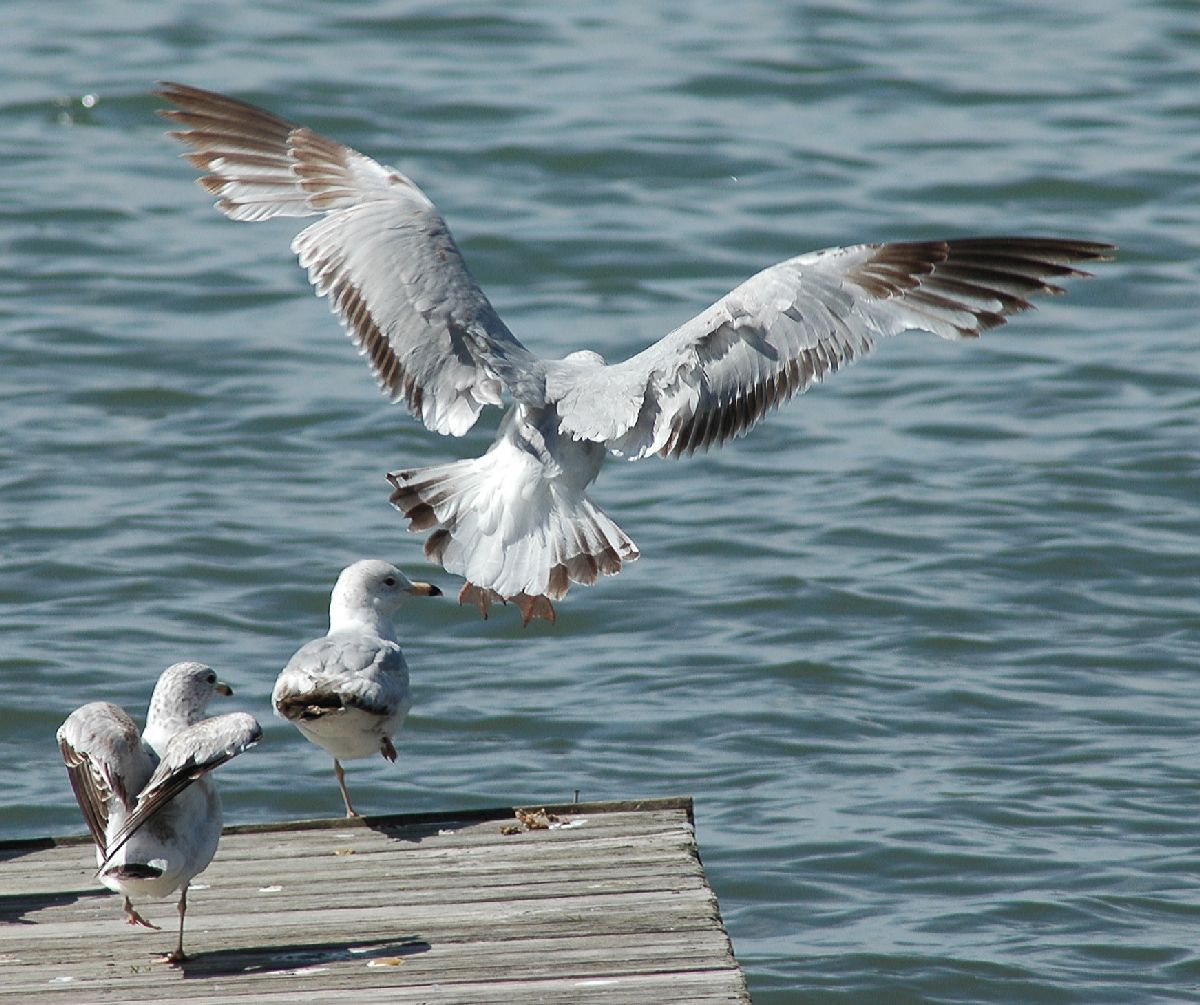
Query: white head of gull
(516, 523)
(148, 799)
(348, 691)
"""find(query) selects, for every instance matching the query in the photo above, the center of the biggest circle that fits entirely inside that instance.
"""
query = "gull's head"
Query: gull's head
(189, 685)
(373, 587)
(180, 699)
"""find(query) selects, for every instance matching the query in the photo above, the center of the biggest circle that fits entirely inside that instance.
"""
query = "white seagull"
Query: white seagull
(348, 691)
(148, 800)
(516, 523)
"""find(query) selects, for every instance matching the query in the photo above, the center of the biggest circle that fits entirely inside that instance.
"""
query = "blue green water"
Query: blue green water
(924, 647)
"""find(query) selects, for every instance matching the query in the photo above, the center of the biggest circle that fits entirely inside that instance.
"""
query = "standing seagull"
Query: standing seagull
(515, 523)
(148, 800)
(348, 692)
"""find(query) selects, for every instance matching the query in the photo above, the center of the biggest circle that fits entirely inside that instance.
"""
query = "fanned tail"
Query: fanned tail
(512, 528)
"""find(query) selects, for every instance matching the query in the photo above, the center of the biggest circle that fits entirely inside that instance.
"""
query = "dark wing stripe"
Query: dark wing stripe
(151, 802)
(309, 705)
(212, 742)
(93, 802)
(983, 280)
(230, 158)
(381, 253)
(961, 289)
(366, 334)
(220, 107)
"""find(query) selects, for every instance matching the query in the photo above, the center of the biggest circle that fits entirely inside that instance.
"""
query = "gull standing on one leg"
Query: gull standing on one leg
(147, 798)
(348, 691)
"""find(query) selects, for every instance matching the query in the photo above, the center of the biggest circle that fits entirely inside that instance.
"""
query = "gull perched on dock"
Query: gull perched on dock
(348, 691)
(147, 798)
(516, 523)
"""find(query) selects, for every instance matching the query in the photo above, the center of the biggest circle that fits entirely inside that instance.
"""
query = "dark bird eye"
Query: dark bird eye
(211, 678)
(390, 581)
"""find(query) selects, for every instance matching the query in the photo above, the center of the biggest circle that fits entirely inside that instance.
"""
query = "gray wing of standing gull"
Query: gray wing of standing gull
(106, 760)
(382, 254)
(191, 754)
(716, 375)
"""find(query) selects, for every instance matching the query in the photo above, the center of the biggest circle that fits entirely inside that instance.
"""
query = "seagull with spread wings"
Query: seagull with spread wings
(148, 799)
(517, 523)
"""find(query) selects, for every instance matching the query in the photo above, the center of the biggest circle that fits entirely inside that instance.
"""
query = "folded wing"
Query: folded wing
(330, 674)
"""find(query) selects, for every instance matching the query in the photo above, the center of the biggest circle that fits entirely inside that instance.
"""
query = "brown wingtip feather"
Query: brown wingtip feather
(481, 598)
(436, 544)
(420, 517)
(534, 607)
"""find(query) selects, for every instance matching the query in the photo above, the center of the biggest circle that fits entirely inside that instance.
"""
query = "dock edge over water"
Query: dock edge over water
(578, 902)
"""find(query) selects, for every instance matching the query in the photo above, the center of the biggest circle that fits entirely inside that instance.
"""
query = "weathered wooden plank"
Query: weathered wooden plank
(614, 908)
(475, 886)
(596, 915)
(607, 814)
(442, 963)
(76, 867)
(245, 888)
(280, 845)
(695, 987)
(642, 807)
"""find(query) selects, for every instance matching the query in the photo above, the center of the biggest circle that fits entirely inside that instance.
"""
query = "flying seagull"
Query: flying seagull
(348, 692)
(516, 523)
(147, 798)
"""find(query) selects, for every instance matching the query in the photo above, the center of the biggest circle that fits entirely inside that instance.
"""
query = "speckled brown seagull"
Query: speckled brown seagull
(516, 523)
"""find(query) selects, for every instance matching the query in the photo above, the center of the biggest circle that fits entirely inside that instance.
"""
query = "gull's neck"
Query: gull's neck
(166, 716)
(352, 611)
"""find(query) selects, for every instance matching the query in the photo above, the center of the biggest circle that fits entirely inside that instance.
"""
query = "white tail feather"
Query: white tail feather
(512, 526)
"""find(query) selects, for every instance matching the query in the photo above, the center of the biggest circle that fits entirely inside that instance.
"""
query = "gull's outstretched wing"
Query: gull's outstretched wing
(715, 376)
(106, 763)
(381, 252)
(191, 754)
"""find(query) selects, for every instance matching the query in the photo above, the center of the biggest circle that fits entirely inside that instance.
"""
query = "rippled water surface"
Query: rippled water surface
(923, 647)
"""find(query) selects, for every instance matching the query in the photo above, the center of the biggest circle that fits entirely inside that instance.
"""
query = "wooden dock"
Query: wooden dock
(609, 903)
